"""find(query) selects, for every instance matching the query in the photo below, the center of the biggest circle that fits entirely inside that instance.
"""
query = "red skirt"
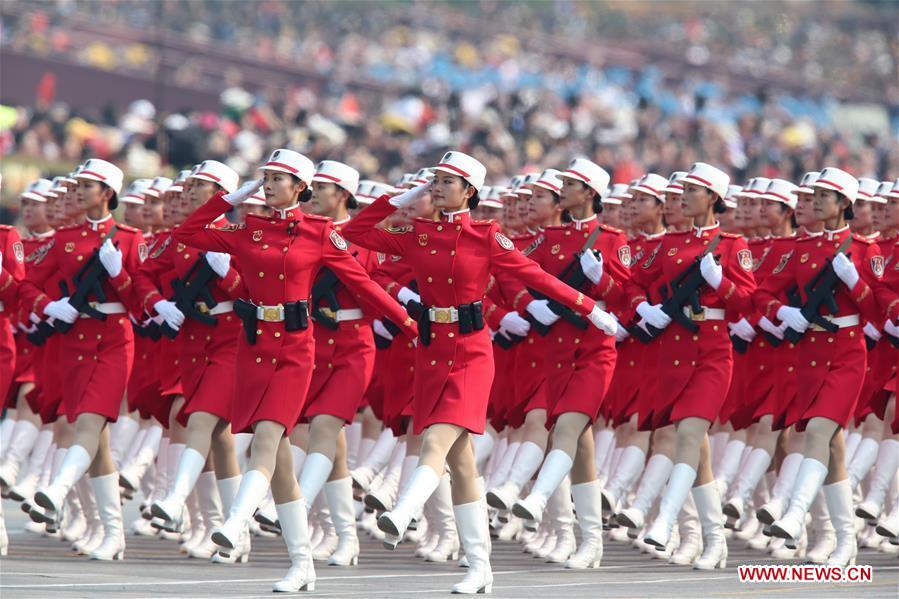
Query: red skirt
(881, 368)
(399, 377)
(694, 372)
(579, 369)
(208, 357)
(629, 375)
(169, 355)
(502, 391)
(830, 375)
(344, 362)
(25, 351)
(453, 377)
(143, 386)
(46, 396)
(374, 394)
(95, 359)
(7, 357)
(271, 377)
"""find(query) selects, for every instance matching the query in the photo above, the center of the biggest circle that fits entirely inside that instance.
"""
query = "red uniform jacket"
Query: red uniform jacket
(831, 366)
(695, 368)
(452, 260)
(95, 355)
(280, 256)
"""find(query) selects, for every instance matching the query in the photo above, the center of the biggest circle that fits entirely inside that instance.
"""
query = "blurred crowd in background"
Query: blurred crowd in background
(760, 88)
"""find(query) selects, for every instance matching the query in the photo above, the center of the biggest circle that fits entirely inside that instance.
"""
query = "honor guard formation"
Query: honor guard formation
(678, 363)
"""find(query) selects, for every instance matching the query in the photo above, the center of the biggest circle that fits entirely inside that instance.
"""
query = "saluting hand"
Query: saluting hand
(243, 192)
(407, 197)
(111, 258)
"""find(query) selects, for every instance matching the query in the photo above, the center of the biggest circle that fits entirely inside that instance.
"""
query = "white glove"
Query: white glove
(539, 309)
(170, 312)
(591, 264)
(405, 295)
(793, 318)
(711, 271)
(890, 328)
(872, 332)
(219, 262)
(243, 192)
(62, 310)
(653, 315)
(621, 334)
(603, 321)
(770, 327)
(410, 195)
(513, 323)
(380, 330)
(845, 269)
(111, 258)
(742, 329)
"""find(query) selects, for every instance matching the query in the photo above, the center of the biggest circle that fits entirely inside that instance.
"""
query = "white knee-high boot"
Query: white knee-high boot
(295, 530)
(555, 467)
(471, 518)
(679, 485)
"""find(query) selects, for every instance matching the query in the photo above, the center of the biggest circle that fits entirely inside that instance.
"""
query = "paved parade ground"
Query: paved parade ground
(39, 568)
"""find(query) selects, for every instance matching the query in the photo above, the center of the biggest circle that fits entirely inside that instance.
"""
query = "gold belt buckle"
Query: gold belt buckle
(328, 312)
(697, 317)
(817, 328)
(202, 308)
(442, 316)
(271, 313)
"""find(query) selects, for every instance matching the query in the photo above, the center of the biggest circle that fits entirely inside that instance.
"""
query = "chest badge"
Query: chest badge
(555, 249)
(672, 251)
(423, 239)
(70, 247)
(804, 258)
(257, 235)
(180, 247)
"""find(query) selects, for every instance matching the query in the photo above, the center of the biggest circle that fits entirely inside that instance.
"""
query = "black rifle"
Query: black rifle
(573, 276)
(684, 291)
(42, 330)
(819, 292)
(190, 289)
(325, 289)
(87, 282)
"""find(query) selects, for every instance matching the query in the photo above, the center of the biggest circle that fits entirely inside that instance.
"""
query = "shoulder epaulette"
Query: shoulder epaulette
(610, 229)
(482, 222)
(861, 239)
(727, 235)
(128, 229)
